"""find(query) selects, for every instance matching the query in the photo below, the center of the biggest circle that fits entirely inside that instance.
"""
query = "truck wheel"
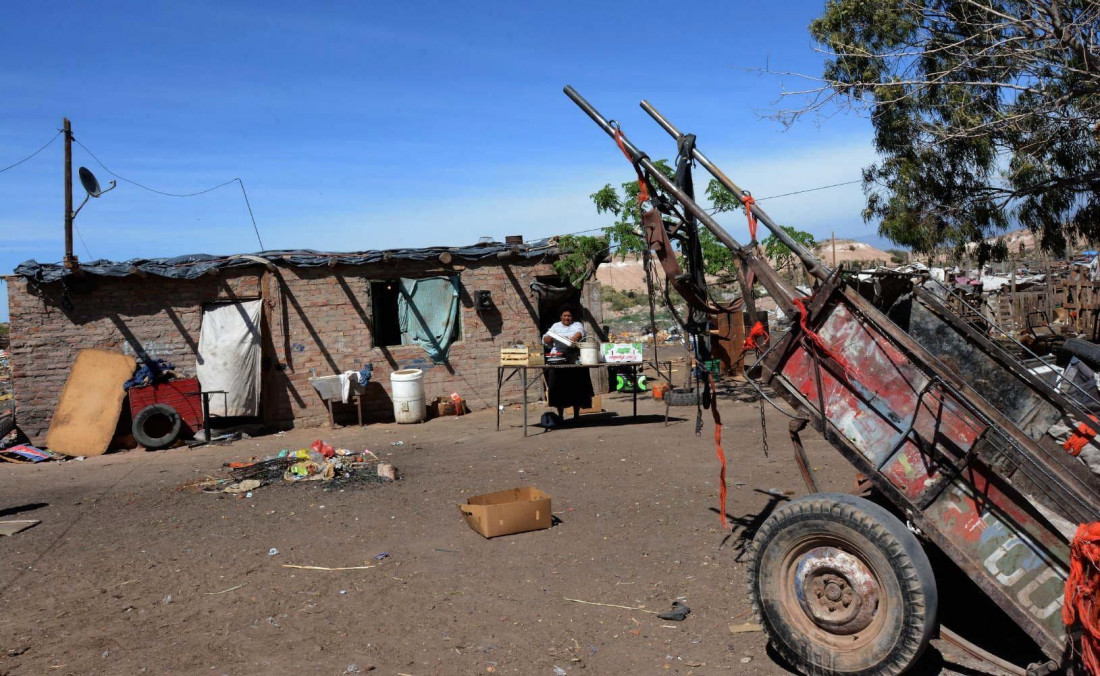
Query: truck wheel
(840, 586)
(157, 426)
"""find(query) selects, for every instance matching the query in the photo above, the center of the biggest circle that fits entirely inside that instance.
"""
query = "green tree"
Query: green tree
(781, 253)
(625, 233)
(578, 257)
(985, 112)
(724, 201)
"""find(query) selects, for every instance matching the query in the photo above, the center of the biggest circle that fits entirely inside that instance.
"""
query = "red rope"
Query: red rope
(1082, 589)
(748, 201)
(643, 192)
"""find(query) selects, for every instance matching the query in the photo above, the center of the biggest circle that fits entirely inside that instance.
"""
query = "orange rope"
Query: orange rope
(719, 452)
(748, 201)
(757, 331)
(1079, 438)
(1082, 589)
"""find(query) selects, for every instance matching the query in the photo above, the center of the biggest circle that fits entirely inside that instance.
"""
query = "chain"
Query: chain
(763, 427)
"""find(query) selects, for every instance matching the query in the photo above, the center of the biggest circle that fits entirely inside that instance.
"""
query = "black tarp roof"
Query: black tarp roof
(196, 265)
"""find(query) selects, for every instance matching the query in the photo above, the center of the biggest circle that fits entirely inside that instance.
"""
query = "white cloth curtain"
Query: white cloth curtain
(229, 357)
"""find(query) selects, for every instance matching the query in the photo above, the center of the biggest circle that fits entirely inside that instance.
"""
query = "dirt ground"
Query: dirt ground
(126, 574)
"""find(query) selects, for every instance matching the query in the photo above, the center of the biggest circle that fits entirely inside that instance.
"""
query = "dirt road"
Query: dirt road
(126, 574)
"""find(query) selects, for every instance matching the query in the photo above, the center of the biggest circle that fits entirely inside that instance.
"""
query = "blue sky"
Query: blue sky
(377, 125)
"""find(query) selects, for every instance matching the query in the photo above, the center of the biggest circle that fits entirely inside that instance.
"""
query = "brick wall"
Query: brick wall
(316, 323)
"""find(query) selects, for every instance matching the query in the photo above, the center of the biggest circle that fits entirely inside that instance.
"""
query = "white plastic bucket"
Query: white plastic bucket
(590, 353)
(407, 387)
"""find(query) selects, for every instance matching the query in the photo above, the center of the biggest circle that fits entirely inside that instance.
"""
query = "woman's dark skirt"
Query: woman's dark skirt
(569, 387)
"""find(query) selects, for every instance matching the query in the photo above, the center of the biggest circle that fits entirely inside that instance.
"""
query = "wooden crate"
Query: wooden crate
(521, 356)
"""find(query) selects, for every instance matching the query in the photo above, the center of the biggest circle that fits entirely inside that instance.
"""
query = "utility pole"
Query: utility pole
(833, 237)
(70, 261)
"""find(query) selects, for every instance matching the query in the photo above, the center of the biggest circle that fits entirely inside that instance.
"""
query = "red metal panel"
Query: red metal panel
(184, 395)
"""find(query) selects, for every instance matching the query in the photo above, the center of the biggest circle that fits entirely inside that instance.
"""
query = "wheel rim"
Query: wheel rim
(832, 594)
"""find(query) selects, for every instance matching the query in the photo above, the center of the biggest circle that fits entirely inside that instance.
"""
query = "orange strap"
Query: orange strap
(748, 201)
(1080, 438)
(719, 452)
(757, 331)
(1083, 592)
(643, 192)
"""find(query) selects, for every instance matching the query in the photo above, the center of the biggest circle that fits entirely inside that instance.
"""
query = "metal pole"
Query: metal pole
(775, 286)
(832, 236)
(813, 266)
(70, 260)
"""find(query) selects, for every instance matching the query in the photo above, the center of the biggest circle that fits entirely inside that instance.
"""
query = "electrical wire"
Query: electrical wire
(758, 199)
(247, 203)
(250, 214)
(145, 187)
(799, 192)
(47, 145)
(86, 249)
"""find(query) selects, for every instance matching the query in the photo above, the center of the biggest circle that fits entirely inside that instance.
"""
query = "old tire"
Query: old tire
(1083, 350)
(681, 396)
(842, 587)
(157, 426)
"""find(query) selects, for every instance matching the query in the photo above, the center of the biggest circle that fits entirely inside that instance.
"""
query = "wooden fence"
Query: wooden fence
(1073, 301)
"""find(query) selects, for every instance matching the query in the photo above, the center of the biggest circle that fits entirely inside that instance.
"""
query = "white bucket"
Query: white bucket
(408, 396)
(590, 353)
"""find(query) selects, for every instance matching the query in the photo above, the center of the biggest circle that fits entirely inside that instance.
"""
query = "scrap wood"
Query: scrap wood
(225, 591)
(291, 565)
(745, 628)
(612, 605)
(13, 527)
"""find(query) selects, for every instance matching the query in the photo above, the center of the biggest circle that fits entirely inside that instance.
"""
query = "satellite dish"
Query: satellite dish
(88, 180)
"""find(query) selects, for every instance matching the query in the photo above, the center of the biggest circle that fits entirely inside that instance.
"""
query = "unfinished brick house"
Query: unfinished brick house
(318, 314)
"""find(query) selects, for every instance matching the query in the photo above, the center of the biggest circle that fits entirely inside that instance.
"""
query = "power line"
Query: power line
(255, 228)
(249, 205)
(12, 166)
(799, 192)
(86, 249)
(758, 199)
(145, 187)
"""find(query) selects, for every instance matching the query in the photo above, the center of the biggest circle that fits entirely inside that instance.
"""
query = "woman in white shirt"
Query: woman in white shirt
(569, 387)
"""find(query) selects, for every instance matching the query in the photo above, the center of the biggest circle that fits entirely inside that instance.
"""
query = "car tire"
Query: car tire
(840, 586)
(157, 426)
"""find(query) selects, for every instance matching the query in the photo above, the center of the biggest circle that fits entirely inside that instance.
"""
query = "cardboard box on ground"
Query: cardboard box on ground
(516, 510)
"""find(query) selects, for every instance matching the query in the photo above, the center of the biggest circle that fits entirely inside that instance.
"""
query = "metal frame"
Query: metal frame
(527, 384)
